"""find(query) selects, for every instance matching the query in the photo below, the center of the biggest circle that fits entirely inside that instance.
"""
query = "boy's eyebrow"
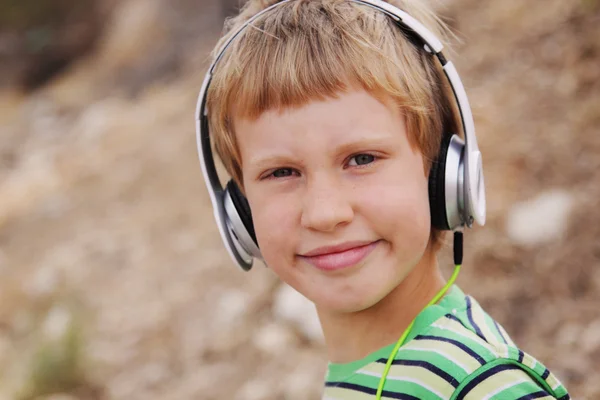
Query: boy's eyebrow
(362, 143)
(268, 160)
(370, 139)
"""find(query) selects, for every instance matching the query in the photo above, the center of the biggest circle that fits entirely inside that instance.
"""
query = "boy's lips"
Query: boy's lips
(343, 255)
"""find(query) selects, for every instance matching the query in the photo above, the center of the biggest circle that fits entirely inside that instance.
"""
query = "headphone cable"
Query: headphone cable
(458, 254)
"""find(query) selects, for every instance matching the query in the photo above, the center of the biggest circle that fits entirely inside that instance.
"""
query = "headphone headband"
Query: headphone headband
(471, 202)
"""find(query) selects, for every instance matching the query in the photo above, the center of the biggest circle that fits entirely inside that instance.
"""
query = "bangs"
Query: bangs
(288, 58)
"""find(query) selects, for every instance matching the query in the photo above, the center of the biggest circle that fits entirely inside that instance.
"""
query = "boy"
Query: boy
(335, 123)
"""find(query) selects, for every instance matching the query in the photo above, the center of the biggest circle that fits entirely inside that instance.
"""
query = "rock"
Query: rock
(137, 30)
(40, 40)
(590, 340)
(273, 339)
(231, 306)
(60, 396)
(292, 307)
(22, 191)
(5, 347)
(255, 390)
(3, 262)
(540, 220)
(43, 283)
(297, 384)
(568, 336)
(154, 373)
(57, 323)
(22, 322)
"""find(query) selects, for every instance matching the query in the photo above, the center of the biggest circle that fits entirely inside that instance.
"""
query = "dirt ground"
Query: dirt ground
(114, 283)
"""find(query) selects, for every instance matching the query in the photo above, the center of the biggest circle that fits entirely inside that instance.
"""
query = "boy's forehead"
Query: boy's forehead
(349, 118)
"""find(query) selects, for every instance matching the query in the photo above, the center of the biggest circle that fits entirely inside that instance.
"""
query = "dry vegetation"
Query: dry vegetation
(113, 280)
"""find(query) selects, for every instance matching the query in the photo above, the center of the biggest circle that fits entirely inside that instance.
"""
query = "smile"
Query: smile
(339, 257)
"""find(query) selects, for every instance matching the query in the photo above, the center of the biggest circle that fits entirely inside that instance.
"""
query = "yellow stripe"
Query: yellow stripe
(552, 381)
(337, 393)
(506, 336)
(458, 328)
(410, 373)
(447, 350)
(504, 379)
(529, 361)
(479, 318)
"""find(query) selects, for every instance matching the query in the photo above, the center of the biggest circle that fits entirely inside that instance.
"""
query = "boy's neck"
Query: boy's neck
(353, 336)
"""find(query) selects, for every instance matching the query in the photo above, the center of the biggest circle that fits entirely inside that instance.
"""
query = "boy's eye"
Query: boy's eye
(361, 159)
(282, 173)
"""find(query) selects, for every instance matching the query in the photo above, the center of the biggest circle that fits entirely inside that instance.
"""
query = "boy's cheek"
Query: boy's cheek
(395, 202)
(274, 227)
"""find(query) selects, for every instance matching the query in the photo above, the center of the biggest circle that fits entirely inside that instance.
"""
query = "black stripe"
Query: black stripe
(368, 390)
(458, 344)
(521, 355)
(428, 366)
(455, 318)
(536, 395)
(471, 320)
(480, 378)
(500, 332)
(565, 397)
(460, 321)
(545, 374)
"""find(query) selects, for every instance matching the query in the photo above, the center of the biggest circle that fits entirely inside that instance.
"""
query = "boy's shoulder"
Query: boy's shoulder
(461, 353)
(474, 355)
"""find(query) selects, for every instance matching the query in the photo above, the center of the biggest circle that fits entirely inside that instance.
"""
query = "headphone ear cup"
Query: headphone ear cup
(242, 207)
(437, 187)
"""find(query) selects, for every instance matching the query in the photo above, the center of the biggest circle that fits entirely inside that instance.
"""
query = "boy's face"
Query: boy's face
(339, 198)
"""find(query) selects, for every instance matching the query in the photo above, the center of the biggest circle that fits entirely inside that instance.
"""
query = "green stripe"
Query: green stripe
(366, 380)
(437, 360)
(341, 372)
(472, 341)
(500, 361)
(513, 353)
(410, 388)
(539, 367)
(396, 386)
(492, 326)
(516, 391)
(560, 391)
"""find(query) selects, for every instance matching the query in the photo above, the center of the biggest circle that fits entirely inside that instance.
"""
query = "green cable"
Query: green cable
(400, 341)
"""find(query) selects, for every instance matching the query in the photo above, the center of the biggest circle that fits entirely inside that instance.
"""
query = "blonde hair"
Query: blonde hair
(308, 50)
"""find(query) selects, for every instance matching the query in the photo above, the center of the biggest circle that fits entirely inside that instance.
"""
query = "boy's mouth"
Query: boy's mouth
(343, 255)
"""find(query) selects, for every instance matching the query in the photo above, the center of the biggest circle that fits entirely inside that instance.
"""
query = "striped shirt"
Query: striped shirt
(454, 351)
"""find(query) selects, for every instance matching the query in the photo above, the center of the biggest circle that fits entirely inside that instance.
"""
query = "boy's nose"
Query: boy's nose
(326, 206)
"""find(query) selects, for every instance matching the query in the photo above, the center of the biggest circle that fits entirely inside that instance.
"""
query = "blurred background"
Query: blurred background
(114, 283)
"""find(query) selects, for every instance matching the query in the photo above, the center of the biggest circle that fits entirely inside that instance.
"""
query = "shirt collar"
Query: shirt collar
(453, 302)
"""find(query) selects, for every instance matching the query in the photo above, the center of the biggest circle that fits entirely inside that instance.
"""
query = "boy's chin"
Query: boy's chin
(359, 291)
(346, 304)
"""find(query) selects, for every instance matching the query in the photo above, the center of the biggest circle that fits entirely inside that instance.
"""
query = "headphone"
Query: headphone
(456, 184)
